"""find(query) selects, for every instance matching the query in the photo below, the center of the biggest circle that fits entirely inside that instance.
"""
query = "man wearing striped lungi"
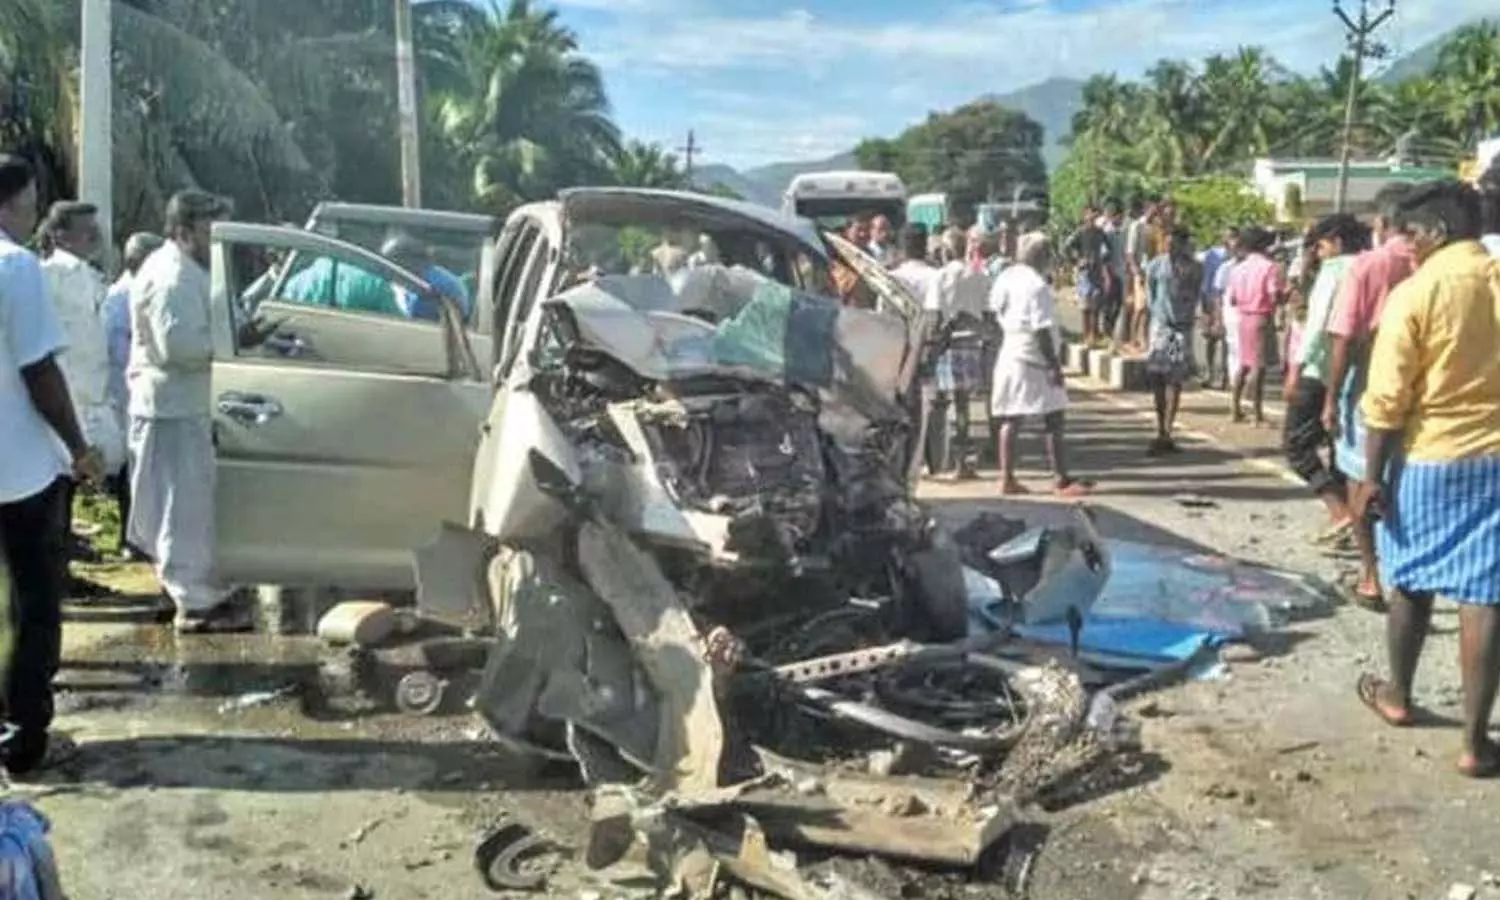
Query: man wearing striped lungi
(1431, 410)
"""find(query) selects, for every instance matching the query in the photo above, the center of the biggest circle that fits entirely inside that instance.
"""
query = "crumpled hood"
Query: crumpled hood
(765, 331)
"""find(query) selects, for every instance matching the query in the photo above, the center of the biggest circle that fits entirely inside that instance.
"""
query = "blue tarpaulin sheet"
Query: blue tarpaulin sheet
(1162, 603)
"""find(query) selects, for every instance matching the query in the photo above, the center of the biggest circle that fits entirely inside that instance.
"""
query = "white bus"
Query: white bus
(832, 198)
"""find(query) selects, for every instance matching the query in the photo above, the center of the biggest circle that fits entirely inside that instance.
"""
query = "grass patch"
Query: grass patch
(98, 509)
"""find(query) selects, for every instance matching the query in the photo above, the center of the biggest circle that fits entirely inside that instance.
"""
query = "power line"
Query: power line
(1359, 33)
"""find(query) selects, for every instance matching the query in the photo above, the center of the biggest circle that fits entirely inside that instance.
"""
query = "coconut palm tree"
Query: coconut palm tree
(1173, 124)
(530, 113)
(639, 164)
(1243, 110)
(1470, 62)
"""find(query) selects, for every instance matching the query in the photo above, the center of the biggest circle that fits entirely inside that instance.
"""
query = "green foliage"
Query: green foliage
(973, 153)
(1183, 122)
(1208, 206)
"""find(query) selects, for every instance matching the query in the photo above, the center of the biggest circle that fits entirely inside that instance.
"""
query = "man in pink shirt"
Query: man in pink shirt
(1351, 333)
(1256, 288)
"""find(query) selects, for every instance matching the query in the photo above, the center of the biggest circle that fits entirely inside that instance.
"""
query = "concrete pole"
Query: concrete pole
(96, 138)
(406, 98)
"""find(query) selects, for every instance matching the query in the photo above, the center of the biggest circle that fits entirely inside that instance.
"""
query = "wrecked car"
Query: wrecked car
(693, 541)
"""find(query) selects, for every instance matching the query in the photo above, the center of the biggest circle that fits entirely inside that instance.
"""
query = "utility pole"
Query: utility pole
(96, 145)
(1359, 32)
(406, 101)
(688, 152)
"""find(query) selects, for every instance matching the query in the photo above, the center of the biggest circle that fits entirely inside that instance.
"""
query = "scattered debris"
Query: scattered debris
(363, 623)
(512, 857)
(256, 698)
(360, 892)
(361, 833)
(1195, 501)
(1462, 892)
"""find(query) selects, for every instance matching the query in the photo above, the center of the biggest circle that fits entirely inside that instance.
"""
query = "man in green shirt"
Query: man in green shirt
(1338, 238)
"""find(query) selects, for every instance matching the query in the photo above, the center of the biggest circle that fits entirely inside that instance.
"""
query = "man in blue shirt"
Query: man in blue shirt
(416, 257)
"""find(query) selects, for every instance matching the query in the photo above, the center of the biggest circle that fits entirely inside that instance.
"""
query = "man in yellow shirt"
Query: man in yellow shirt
(1431, 409)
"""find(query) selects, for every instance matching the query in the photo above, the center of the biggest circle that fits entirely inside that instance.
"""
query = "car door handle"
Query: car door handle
(249, 409)
(287, 344)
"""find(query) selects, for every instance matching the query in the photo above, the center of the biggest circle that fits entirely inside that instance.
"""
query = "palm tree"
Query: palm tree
(530, 114)
(1236, 90)
(1470, 62)
(1111, 109)
(639, 164)
(38, 90)
(1173, 125)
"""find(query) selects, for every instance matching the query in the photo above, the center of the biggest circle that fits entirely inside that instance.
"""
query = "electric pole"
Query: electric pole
(406, 101)
(96, 145)
(688, 152)
(1359, 31)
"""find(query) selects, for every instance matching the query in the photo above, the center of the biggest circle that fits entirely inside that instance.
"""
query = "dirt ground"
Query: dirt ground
(1271, 782)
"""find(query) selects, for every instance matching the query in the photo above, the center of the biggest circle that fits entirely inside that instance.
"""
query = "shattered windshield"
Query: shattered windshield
(716, 318)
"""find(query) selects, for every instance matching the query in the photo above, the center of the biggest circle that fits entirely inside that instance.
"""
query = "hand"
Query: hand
(1331, 417)
(88, 466)
(1057, 377)
(254, 332)
(1289, 390)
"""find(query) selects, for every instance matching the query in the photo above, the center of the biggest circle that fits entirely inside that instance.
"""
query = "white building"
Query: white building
(1306, 188)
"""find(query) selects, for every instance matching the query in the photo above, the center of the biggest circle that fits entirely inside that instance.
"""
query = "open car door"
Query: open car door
(896, 300)
(341, 444)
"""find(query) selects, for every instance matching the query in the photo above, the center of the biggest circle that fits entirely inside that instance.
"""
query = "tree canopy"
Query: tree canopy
(978, 152)
(1184, 123)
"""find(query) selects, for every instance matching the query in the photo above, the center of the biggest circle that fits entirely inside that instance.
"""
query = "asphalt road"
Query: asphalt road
(1272, 782)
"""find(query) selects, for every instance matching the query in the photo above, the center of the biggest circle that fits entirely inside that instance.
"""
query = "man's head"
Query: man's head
(1032, 250)
(72, 226)
(881, 232)
(139, 246)
(989, 244)
(1112, 209)
(1387, 204)
(189, 221)
(1090, 213)
(956, 241)
(1230, 238)
(1137, 208)
(858, 230)
(17, 196)
(914, 241)
(1182, 242)
(1438, 214)
(1338, 234)
(407, 252)
(1255, 240)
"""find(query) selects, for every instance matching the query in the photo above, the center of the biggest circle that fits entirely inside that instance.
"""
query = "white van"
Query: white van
(832, 198)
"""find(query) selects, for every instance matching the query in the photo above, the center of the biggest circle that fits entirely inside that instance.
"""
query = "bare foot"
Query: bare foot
(1013, 489)
(1482, 762)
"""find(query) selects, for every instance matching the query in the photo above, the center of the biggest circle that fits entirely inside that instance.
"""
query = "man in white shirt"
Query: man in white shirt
(115, 314)
(69, 237)
(44, 444)
(956, 299)
(914, 272)
(171, 417)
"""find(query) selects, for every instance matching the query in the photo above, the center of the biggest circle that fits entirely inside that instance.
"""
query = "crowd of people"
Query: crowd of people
(995, 335)
(102, 383)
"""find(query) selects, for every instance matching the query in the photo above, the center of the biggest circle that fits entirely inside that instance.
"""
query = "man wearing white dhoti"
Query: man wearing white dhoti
(1028, 380)
(171, 424)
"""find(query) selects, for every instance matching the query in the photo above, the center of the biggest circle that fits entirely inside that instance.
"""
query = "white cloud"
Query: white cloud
(957, 51)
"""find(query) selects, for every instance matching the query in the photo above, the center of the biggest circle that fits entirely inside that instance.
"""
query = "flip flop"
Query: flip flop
(1368, 688)
(1074, 489)
(1366, 602)
(1480, 766)
(1014, 490)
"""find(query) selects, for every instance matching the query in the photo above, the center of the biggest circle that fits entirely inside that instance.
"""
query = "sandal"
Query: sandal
(1073, 489)
(1335, 534)
(1369, 687)
(1368, 602)
(1480, 765)
(1014, 489)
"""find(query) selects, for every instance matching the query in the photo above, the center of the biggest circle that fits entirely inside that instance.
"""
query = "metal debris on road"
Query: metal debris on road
(256, 698)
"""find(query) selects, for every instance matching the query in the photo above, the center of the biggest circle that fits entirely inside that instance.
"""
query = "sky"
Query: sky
(764, 81)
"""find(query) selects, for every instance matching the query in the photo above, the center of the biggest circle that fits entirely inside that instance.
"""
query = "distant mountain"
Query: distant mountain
(1051, 104)
(1421, 60)
(765, 184)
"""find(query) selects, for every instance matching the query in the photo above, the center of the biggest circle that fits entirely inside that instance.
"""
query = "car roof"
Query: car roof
(575, 199)
(405, 217)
